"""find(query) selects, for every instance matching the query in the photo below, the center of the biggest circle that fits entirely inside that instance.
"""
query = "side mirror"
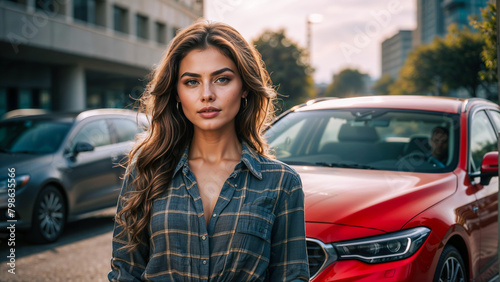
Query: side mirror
(82, 147)
(489, 167)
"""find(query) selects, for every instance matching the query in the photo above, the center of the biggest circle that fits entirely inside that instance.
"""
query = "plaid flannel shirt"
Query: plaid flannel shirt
(256, 232)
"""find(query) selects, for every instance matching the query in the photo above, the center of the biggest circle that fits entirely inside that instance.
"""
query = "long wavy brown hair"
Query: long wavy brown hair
(153, 159)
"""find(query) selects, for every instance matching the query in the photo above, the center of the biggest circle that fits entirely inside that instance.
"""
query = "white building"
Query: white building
(66, 55)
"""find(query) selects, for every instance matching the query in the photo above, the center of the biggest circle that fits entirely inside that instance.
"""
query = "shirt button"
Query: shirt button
(235, 185)
(203, 237)
(214, 215)
(204, 262)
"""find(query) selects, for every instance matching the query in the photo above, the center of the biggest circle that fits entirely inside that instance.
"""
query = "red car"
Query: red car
(398, 188)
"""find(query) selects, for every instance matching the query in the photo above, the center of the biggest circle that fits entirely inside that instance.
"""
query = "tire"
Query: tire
(450, 267)
(49, 216)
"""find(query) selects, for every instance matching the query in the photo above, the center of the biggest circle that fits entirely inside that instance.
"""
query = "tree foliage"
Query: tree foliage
(348, 82)
(488, 28)
(447, 63)
(288, 66)
(382, 85)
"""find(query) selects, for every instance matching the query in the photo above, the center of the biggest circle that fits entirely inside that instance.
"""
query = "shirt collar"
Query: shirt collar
(249, 158)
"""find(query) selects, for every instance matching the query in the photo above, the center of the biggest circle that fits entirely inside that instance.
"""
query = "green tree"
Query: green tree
(348, 82)
(488, 28)
(382, 85)
(447, 63)
(417, 76)
(288, 66)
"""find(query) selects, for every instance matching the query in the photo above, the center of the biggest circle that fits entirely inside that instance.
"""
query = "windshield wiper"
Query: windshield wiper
(344, 165)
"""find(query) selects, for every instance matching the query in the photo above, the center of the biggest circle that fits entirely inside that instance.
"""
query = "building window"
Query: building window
(120, 19)
(84, 10)
(51, 6)
(161, 33)
(142, 26)
(90, 11)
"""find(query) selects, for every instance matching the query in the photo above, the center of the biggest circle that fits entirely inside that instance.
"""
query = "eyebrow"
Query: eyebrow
(217, 72)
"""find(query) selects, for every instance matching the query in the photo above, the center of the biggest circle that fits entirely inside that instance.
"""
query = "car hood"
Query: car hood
(24, 163)
(382, 200)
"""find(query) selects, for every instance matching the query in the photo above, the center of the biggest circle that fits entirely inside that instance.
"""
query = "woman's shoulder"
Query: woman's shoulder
(270, 165)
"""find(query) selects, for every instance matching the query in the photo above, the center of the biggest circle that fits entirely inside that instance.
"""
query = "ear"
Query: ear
(244, 94)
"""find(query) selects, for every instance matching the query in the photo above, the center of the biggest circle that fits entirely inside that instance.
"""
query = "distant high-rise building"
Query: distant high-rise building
(459, 11)
(434, 17)
(395, 51)
(430, 21)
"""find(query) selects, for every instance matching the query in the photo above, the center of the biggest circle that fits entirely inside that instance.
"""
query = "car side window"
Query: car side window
(95, 133)
(482, 140)
(125, 130)
(495, 116)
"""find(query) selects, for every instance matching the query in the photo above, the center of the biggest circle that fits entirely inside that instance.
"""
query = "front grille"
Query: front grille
(317, 257)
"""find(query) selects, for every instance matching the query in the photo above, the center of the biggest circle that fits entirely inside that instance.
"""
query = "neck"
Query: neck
(215, 147)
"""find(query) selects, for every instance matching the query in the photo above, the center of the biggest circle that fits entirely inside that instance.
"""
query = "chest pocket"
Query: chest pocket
(257, 219)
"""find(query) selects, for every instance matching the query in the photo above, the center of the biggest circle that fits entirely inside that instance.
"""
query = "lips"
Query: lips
(209, 112)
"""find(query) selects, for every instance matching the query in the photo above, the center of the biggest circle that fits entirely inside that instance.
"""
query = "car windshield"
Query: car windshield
(384, 139)
(32, 136)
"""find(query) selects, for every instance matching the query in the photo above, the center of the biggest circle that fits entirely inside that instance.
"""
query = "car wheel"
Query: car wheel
(49, 216)
(451, 266)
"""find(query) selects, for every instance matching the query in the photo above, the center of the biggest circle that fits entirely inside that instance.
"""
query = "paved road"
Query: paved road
(81, 254)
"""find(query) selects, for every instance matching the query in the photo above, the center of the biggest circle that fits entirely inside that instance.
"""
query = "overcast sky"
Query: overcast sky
(349, 35)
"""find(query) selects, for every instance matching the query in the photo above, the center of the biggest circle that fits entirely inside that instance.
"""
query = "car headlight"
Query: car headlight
(384, 248)
(13, 183)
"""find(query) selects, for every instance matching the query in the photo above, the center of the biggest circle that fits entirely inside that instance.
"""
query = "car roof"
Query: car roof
(102, 112)
(74, 116)
(427, 103)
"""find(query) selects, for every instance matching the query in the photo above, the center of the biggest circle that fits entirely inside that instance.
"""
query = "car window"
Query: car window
(482, 140)
(95, 133)
(32, 136)
(377, 138)
(282, 143)
(125, 129)
(495, 116)
(329, 134)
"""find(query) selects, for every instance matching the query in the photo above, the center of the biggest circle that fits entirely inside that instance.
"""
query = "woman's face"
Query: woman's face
(210, 90)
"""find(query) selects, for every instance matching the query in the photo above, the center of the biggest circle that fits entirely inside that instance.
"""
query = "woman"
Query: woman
(201, 199)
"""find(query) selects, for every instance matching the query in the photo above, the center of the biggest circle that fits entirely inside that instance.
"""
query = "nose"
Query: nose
(208, 93)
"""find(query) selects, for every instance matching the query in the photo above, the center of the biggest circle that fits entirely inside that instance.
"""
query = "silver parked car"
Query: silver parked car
(62, 167)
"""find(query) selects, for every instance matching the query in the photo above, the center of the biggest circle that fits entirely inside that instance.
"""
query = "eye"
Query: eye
(222, 80)
(190, 82)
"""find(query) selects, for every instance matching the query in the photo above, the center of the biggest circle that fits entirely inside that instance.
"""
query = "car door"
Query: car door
(483, 139)
(90, 174)
(123, 132)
